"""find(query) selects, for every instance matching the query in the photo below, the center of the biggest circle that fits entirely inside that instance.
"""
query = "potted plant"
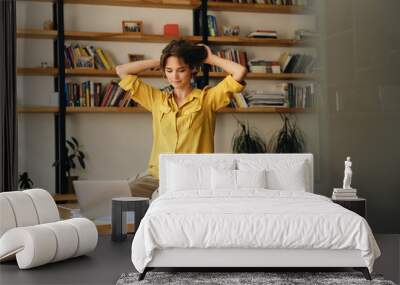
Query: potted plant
(246, 140)
(74, 156)
(24, 182)
(289, 139)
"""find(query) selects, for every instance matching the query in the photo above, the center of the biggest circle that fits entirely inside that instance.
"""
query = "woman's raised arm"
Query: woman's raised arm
(135, 67)
(237, 70)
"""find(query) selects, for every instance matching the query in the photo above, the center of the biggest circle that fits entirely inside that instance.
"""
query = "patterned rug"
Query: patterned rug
(244, 278)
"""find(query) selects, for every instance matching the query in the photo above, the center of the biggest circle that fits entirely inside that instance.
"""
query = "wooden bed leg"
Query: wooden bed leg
(364, 271)
(143, 274)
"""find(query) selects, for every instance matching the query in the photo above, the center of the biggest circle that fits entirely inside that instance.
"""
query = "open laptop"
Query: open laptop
(94, 196)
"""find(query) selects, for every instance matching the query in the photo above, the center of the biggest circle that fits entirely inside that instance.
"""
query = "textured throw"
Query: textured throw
(243, 278)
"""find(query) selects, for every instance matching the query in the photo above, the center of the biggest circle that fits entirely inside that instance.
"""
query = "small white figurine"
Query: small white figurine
(347, 174)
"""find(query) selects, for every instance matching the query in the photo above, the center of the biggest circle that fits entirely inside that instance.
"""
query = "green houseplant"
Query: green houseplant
(74, 156)
(24, 182)
(289, 139)
(246, 140)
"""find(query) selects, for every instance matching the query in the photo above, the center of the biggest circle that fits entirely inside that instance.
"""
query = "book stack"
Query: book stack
(264, 98)
(263, 34)
(344, 194)
(264, 66)
(274, 97)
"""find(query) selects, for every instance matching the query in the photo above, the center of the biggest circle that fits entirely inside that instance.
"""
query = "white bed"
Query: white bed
(200, 220)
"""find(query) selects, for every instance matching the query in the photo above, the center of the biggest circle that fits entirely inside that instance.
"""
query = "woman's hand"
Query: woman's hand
(210, 55)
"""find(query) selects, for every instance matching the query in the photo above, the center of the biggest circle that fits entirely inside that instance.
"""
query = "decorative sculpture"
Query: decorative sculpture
(347, 174)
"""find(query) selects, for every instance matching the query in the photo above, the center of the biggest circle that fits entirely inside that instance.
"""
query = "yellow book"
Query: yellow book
(99, 51)
(109, 59)
(238, 100)
(83, 52)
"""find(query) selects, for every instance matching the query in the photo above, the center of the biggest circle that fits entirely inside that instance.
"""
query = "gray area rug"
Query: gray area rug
(243, 278)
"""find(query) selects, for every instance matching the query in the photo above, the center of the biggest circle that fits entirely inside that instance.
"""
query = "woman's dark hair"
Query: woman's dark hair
(191, 54)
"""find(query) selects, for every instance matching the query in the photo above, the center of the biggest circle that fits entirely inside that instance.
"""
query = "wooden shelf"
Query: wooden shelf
(258, 8)
(37, 71)
(126, 37)
(168, 4)
(111, 73)
(102, 36)
(36, 34)
(193, 4)
(51, 71)
(142, 110)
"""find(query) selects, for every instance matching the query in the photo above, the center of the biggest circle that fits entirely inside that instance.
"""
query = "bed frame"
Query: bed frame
(246, 259)
(242, 259)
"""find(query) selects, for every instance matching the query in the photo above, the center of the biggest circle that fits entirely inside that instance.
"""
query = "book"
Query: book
(109, 59)
(341, 190)
(99, 52)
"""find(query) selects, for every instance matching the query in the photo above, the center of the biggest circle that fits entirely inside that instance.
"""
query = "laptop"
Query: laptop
(94, 196)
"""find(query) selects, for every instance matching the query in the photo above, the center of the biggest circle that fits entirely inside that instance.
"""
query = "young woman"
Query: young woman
(183, 117)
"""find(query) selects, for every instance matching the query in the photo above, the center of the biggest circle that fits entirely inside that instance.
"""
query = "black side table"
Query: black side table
(358, 205)
(122, 205)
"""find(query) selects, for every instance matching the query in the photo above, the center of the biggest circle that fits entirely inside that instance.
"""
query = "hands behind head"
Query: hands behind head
(209, 53)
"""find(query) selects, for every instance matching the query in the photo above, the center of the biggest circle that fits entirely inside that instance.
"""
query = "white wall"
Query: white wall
(118, 145)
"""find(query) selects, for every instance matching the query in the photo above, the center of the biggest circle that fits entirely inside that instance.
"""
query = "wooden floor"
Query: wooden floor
(103, 266)
(111, 259)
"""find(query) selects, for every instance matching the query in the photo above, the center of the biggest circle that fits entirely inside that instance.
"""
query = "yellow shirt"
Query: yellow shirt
(188, 129)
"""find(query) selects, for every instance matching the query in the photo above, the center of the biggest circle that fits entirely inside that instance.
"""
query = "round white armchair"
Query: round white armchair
(31, 230)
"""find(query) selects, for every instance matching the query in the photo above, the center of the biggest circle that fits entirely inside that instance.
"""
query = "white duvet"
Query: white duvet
(252, 218)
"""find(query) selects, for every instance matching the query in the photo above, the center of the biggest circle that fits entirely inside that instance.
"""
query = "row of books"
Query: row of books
(91, 94)
(343, 194)
(233, 55)
(296, 63)
(301, 95)
(101, 59)
(284, 95)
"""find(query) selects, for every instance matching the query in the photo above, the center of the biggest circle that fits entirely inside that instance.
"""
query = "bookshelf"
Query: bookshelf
(60, 73)
(123, 37)
(38, 71)
(193, 4)
(167, 4)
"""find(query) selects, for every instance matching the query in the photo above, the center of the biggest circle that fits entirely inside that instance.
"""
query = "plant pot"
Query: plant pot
(70, 189)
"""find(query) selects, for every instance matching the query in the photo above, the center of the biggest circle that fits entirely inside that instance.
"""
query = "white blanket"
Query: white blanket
(251, 218)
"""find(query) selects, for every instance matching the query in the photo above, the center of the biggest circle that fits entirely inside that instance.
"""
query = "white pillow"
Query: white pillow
(183, 177)
(281, 174)
(188, 175)
(251, 178)
(223, 179)
(237, 179)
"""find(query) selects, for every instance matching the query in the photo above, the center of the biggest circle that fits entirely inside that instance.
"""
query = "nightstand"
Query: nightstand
(358, 205)
(122, 205)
